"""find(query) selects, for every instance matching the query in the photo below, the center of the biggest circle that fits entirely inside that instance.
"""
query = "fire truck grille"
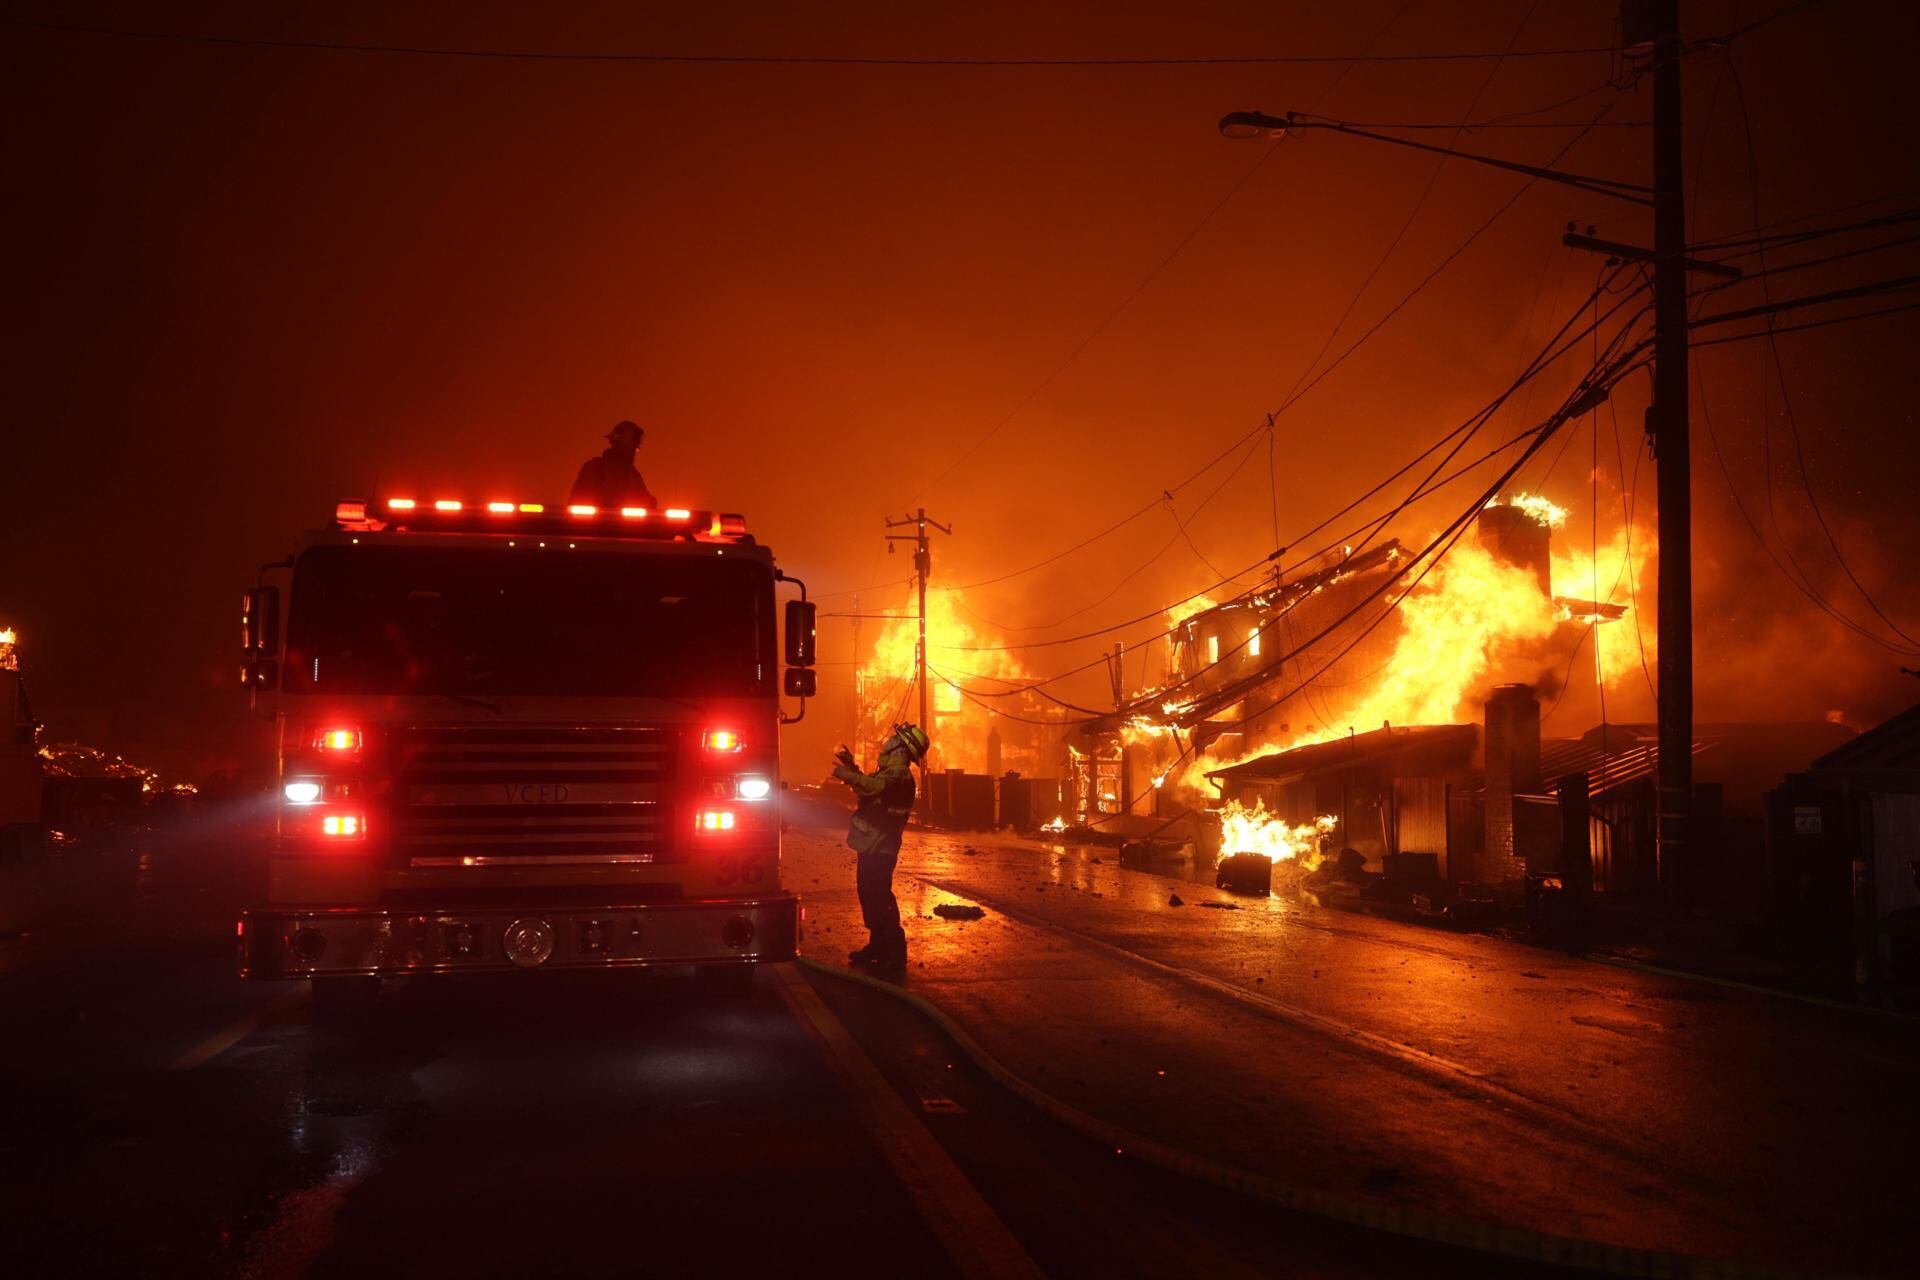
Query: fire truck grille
(522, 794)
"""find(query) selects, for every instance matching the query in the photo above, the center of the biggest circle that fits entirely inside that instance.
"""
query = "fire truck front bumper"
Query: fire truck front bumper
(291, 942)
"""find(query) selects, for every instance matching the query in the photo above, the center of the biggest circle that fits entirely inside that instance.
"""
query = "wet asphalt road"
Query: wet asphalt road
(160, 1117)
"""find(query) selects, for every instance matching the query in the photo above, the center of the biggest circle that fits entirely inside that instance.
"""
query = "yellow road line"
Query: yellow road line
(975, 1238)
(239, 1029)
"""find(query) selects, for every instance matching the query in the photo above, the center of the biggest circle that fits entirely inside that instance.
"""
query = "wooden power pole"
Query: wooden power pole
(919, 522)
(1672, 456)
(1650, 31)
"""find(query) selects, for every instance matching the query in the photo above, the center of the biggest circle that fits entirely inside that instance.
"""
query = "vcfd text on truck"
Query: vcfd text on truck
(514, 735)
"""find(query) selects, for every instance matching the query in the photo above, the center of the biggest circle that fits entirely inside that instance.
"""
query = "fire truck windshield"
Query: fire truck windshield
(489, 622)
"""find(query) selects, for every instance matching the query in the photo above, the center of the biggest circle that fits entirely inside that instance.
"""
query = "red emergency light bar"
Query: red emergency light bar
(404, 514)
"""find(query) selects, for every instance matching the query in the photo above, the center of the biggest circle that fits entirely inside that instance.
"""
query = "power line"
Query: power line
(1413, 215)
(1444, 263)
(1596, 381)
(1024, 685)
(1804, 587)
(1870, 289)
(1547, 430)
(1506, 119)
(1771, 18)
(1754, 243)
(1547, 356)
(1300, 393)
(801, 60)
(854, 591)
(1629, 491)
(1780, 372)
(1807, 264)
(1040, 387)
(1804, 326)
(1179, 533)
(1477, 126)
(849, 60)
(1206, 218)
(1298, 389)
(1566, 677)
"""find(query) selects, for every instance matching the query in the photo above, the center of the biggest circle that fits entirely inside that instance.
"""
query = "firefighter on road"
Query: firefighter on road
(885, 799)
(609, 479)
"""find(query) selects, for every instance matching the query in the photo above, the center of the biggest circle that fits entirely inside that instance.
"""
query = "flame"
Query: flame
(1254, 830)
(961, 723)
(1469, 609)
(1601, 575)
(1473, 622)
(1191, 607)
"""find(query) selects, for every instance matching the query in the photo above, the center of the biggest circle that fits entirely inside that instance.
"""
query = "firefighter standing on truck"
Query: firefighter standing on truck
(885, 799)
(609, 478)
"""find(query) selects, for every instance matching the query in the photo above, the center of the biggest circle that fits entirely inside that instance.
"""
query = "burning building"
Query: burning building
(1224, 663)
(1365, 642)
(983, 714)
(1496, 805)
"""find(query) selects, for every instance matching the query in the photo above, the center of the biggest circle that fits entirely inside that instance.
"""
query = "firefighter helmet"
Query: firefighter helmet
(910, 738)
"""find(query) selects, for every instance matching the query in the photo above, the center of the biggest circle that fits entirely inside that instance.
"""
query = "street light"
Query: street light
(1241, 125)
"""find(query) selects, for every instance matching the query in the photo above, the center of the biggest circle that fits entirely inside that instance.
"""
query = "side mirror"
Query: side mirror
(800, 682)
(260, 622)
(800, 639)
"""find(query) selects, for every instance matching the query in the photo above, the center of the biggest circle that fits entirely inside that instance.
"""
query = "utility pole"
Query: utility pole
(1672, 452)
(1651, 29)
(859, 701)
(919, 521)
(1650, 34)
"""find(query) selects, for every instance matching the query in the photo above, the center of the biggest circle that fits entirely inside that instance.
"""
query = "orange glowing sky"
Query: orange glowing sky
(249, 281)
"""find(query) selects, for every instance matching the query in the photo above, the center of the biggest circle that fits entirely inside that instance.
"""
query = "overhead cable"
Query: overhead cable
(800, 60)
(1040, 387)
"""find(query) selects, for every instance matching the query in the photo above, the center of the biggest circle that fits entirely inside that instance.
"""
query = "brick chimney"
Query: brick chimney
(1513, 764)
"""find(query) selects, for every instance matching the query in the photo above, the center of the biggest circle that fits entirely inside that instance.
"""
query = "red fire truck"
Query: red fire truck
(517, 735)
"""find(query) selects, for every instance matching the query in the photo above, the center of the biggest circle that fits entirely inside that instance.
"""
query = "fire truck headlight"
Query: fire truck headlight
(753, 788)
(301, 792)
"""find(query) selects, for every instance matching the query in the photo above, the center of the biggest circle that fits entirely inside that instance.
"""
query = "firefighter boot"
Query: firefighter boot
(891, 961)
(866, 957)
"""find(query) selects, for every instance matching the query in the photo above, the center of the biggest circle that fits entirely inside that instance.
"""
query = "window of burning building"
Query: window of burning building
(1098, 781)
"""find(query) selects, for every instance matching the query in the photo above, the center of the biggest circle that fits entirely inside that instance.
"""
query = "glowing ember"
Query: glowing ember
(1254, 830)
(1058, 824)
